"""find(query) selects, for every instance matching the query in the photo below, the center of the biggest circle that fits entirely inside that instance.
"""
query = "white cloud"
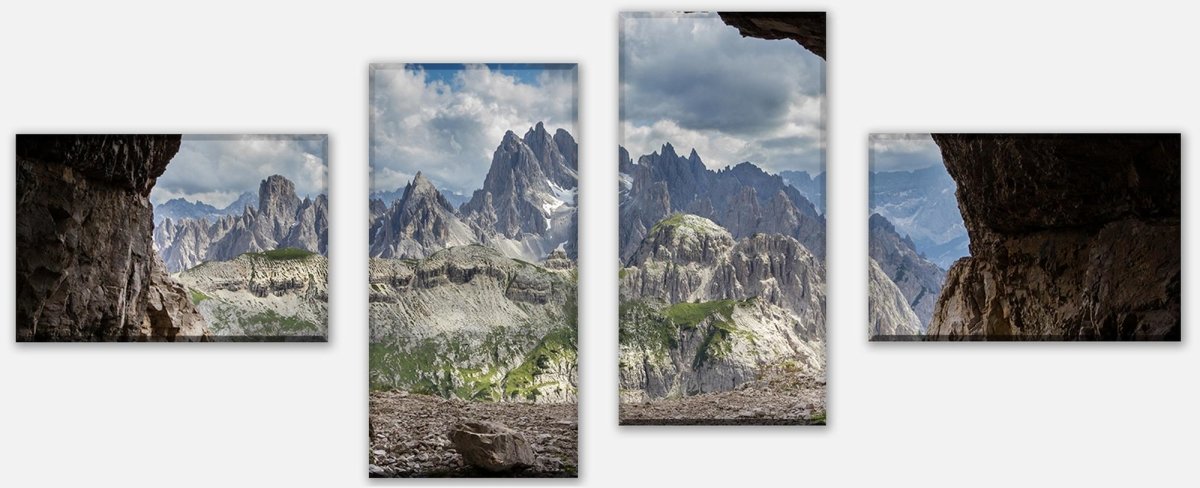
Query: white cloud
(903, 152)
(447, 121)
(693, 81)
(216, 169)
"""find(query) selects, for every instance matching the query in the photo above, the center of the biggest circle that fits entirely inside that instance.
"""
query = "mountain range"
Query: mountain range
(178, 209)
(811, 186)
(477, 301)
(722, 276)
(526, 208)
(388, 197)
(901, 269)
(921, 204)
(702, 312)
(279, 219)
(743, 199)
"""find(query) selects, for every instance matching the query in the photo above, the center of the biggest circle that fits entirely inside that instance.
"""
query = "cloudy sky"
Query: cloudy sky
(447, 120)
(903, 152)
(693, 81)
(216, 169)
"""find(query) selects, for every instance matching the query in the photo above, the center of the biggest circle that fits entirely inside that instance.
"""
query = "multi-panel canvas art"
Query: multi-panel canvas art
(1040, 237)
(171, 238)
(474, 179)
(722, 226)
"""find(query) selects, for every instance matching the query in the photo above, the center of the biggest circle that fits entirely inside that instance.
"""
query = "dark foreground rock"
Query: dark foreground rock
(806, 28)
(86, 269)
(778, 398)
(409, 436)
(1073, 237)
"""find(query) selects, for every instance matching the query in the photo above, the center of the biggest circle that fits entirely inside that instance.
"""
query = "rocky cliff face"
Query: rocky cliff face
(806, 28)
(280, 220)
(468, 322)
(526, 208)
(742, 198)
(703, 313)
(918, 279)
(889, 313)
(811, 186)
(418, 224)
(278, 295)
(1073, 237)
(86, 266)
(529, 192)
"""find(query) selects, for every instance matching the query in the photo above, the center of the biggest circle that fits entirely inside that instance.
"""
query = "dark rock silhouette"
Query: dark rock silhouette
(806, 28)
(86, 266)
(1073, 237)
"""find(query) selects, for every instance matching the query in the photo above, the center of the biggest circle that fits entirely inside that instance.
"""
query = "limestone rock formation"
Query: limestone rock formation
(811, 186)
(1073, 237)
(528, 196)
(468, 322)
(703, 313)
(418, 224)
(491, 446)
(918, 279)
(526, 207)
(743, 198)
(280, 219)
(806, 28)
(889, 314)
(86, 266)
(274, 295)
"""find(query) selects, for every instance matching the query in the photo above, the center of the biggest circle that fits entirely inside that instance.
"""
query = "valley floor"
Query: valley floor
(777, 399)
(408, 435)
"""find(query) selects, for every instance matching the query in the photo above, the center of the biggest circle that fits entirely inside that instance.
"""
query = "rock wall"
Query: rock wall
(888, 314)
(1073, 237)
(917, 278)
(702, 313)
(86, 266)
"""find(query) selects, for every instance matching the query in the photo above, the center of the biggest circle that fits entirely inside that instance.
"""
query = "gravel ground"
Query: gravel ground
(408, 435)
(777, 399)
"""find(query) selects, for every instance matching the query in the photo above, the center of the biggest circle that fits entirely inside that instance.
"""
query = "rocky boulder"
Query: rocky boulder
(491, 446)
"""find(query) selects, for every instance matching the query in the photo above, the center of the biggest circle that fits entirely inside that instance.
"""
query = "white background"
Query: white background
(155, 415)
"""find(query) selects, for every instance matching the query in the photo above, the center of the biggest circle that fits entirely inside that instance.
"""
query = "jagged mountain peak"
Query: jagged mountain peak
(419, 183)
(420, 191)
(538, 130)
(276, 193)
(281, 219)
(568, 148)
(525, 207)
